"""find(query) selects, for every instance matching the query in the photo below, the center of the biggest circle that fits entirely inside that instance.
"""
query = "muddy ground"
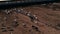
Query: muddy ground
(47, 22)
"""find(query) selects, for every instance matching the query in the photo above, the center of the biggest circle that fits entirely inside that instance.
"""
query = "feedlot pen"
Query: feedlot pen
(35, 19)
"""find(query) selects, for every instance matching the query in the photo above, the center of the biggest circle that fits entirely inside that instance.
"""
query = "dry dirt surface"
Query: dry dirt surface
(36, 19)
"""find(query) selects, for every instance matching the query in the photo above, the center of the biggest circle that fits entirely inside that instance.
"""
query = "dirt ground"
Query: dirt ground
(48, 20)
